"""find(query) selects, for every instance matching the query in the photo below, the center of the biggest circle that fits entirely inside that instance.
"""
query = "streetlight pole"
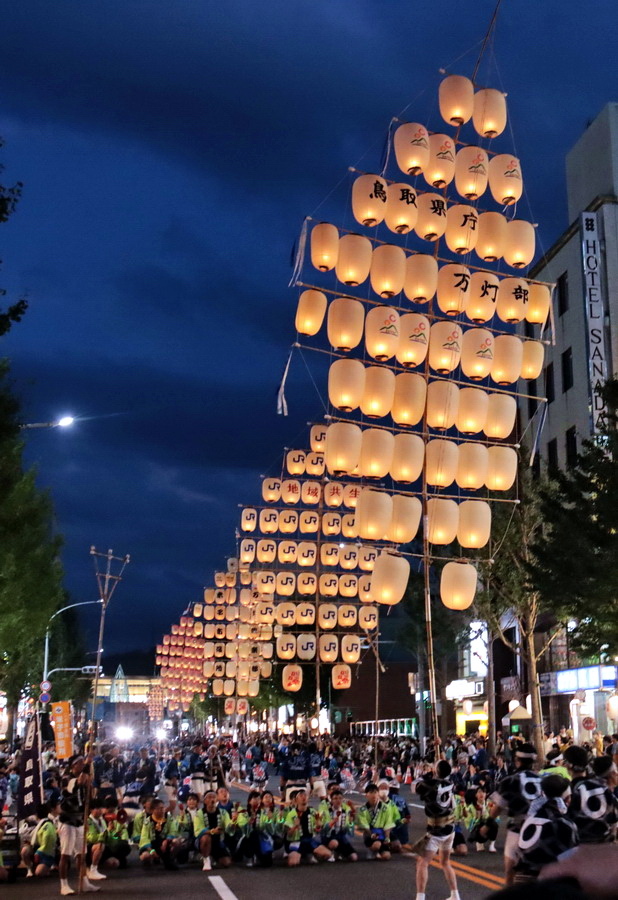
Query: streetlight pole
(57, 613)
(64, 422)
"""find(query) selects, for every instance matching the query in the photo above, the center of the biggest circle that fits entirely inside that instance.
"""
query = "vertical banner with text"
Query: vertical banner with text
(594, 301)
(30, 784)
(63, 728)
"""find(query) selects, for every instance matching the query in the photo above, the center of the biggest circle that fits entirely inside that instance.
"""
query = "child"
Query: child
(302, 828)
(96, 835)
(483, 828)
(41, 856)
(376, 820)
(156, 840)
(117, 844)
(338, 826)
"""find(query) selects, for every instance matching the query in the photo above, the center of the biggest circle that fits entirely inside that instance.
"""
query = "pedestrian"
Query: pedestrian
(436, 793)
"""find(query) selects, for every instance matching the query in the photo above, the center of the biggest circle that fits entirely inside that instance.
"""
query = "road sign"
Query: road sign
(45, 686)
(589, 723)
(45, 697)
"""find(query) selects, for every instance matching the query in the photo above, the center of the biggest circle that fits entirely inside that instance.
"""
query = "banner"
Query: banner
(595, 306)
(30, 785)
(63, 728)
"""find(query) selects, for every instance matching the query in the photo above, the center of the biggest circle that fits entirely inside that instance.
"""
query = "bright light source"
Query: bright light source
(314, 724)
(65, 421)
(124, 733)
(160, 734)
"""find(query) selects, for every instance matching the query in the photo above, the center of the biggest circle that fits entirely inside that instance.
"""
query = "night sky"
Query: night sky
(169, 152)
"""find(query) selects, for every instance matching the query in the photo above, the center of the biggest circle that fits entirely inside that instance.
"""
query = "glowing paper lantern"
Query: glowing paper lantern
(456, 99)
(440, 169)
(444, 346)
(229, 686)
(248, 519)
(367, 558)
(351, 494)
(331, 524)
(328, 585)
(405, 519)
(343, 448)
(461, 229)
(288, 521)
(453, 284)
(285, 584)
(266, 551)
(441, 462)
(310, 312)
(306, 583)
(388, 270)
(329, 554)
(306, 646)
(442, 520)
(382, 332)
(389, 579)
(346, 615)
(286, 646)
(327, 616)
(368, 618)
(505, 179)
(532, 362)
(305, 615)
(413, 339)
(539, 300)
(431, 219)
(315, 463)
(491, 238)
(369, 199)
(502, 468)
(411, 143)
(292, 678)
(290, 491)
(408, 457)
(271, 490)
(481, 298)
(421, 278)
(377, 447)
(269, 521)
(348, 585)
(354, 260)
(472, 410)
(333, 492)
(471, 168)
(295, 462)
(409, 399)
(350, 648)
(442, 404)
(364, 588)
(346, 383)
(247, 550)
(308, 522)
(520, 243)
(458, 585)
(310, 492)
(512, 299)
(508, 358)
(474, 526)
(317, 438)
(501, 412)
(401, 209)
(329, 648)
(345, 323)
(348, 526)
(477, 353)
(373, 514)
(489, 112)
(324, 246)
(306, 554)
(472, 466)
(378, 393)
(341, 677)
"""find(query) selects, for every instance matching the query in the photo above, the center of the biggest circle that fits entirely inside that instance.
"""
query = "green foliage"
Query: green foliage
(9, 197)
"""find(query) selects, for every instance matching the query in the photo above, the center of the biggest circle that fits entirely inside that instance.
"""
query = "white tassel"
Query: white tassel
(539, 431)
(282, 403)
(300, 253)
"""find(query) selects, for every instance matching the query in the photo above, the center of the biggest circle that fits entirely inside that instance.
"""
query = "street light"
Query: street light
(57, 613)
(62, 422)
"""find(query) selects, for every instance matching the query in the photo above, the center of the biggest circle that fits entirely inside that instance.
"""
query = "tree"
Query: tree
(576, 558)
(9, 197)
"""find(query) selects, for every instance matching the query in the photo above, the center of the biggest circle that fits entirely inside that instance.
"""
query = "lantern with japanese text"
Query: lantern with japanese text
(401, 209)
(292, 678)
(461, 229)
(431, 219)
(341, 676)
(481, 297)
(512, 299)
(369, 199)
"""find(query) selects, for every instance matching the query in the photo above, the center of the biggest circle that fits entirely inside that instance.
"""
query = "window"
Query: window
(552, 456)
(562, 293)
(549, 383)
(567, 369)
(571, 446)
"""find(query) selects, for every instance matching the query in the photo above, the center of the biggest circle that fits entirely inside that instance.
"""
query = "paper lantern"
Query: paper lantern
(208, 669)
(345, 323)
(369, 199)
(471, 169)
(389, 579)
(265, 613)
(520, 243)
(458, 585)
(508, 358)
(247, 550)
(248, 519)
(413, 339)
(266, 551)
(408, 456)
(377, 447)
(382, 332)
(331, 524)
(480, 303)
(292, 678)
(368, 618)
(343, 448)
(539, 299)
(440, 169)
(378, 393)
(310, 492)
(324, 246)
(242, 707)
(346, 382)
(367, 558)
(271, 491)
(409, 399)
(306, 554)
(388, 269)
(309, 522)
(315, 462)
(431, 219)
(265, 582)
(229, 686)
(489, 112)
(442, 521)
(220, 579)
(421, 278)
(441, 462)
(269, 521)
(442, 404)
(472, 466)
(290, 491)
(532, 361)
(354, 261)
(245, 576)
(477, 353)
(364, 588)
(505, 179)
(491, 237)
(350, 648)
(317, 438)
(501, 412)
(471, 410)
(474, 526)
(285, 584)
(453, 284)
(411, 143)
(401, 209)
(306, 646)
(351, 493)
(242, 689)
(502, 468)
(328, 585)
(329, 648)
(230, 579)
(288, 521)
(327, 616)
(348, 526)
(512, 299)
(306, 583)
(373, 514)
(346, 615)
(286, 646)
(310, 312)
(329, 554)
(266, 670)
(333, 492)
(295, 462)
(456, 99)
(254, 687)
(461, 229)
(305, 615)
(348, 585)
(405, 519)
(217, 687)
(444, 346)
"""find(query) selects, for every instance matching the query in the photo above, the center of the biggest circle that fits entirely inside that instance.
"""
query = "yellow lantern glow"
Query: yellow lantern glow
(377, 447)
(411, 143)
(265, 582)
(328, 585)
(442, 404)
(421, 278)
(292, 678)
(442, 521)
(306, 583)
(327, 616)
(305, 615)
(306, 646)
(310, 492)
(405, 519)
(266, 551)
(248, 519)
(453, 286)
(329, 554)
(346, 383)
(444, 346)
(306, 554)
(334, 492)
(491, 239)
(413, 339)
(441, 459)
(286, 646)
(324, 246)
(317, 438)
(266, 670)
(290, 490)
(456, 99)
(458, 585)
(378, 393)
(288, 521)
(367, 558)
(373, 514)
(346, 615)
(271, 490)
(368, 618)
(309, 522)
(364, 588)
(295, 462)
(477, 353)
(350, 648)
(512, 299)
(351, 494)
(382, 332)
(401, 209)
(520, 243)
(474, 526)
(369, 199)
(229, 686)
(389, 579)
(286, 552)
(481, 299)
(354, 261)
(217, 687)
(489, 112)
(247, 550)
(505, 179)
(431, 219)
(269, 521)
(440, 169)
(329, 648)
(348, 526)
(532, 362)
(502, 468)
(343, 448)
(472, 410)
(471, 169)
(472, 466)
(408, 457)
(348, 585)
(409, 399)
(539, 300)
(310, 312)
(501, 413)
(508, 358)
(345, 323)
(315, 463)
(461, 229)
(388, 270)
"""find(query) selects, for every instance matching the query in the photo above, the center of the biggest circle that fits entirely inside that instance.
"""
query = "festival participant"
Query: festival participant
(117, 843)
(436, 793)
(375, 818)
(96, 836)
(337, 827)
(137, 822)
(594, 805)
(400, 835)
(173, 772)
(156, 837)
(547, 833)
(295, 771)
(514, 794)
(217, 823)
(71, 829)
(316, 763)
(249, 847)
(271, 821)
(302, 827)
(482, 828)
(41, 856)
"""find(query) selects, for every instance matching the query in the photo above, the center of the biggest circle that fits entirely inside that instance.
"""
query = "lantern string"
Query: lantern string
(299, 260)
(282, 403)
(537, 439)
(386, 152)
(317, 390)
(489, 34)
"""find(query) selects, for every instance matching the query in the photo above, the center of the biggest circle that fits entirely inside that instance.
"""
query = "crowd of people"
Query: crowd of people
(335, 799)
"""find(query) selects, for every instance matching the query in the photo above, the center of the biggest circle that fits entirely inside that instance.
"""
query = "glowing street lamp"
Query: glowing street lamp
(62, 422)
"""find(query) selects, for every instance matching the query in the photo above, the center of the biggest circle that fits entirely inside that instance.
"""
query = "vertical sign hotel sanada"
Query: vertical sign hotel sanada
(594, 301)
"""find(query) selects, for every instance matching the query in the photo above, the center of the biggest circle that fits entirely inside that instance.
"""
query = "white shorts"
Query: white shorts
(319, 788)
(71, 839)
(436, 843)
(511, 846)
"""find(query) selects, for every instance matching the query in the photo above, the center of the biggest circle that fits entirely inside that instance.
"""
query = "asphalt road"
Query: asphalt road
(479, 874)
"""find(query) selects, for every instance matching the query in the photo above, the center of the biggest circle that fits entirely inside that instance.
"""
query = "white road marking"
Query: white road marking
(221, 888)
